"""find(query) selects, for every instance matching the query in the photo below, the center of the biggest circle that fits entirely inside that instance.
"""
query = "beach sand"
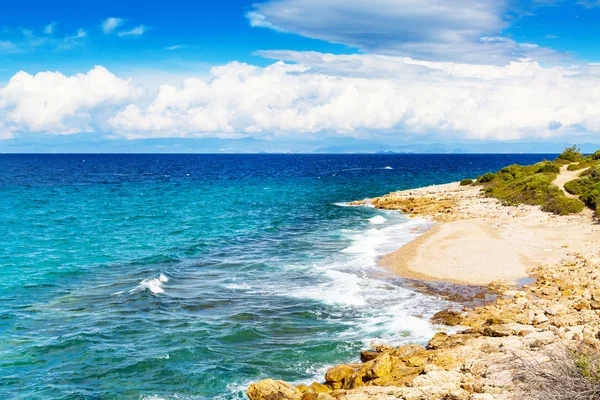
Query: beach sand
(480, 241)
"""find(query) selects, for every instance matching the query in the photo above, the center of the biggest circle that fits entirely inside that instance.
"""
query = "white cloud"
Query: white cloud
(70, 41)
(456, 30)
(358, 94)
(110, 24)
(258, 20)
(318, 95)
(49, 29)
(6, 46)
(137, 31)
(54, 103)
(175, 47)
(24, 40)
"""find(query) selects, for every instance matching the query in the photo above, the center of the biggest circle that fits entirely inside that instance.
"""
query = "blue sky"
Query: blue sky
(179, 36)
(297, 74)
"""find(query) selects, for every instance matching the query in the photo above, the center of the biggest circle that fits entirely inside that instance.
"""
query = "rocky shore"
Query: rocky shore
(523, 328)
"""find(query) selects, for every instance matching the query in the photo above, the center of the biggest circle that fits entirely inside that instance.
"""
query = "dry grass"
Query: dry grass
(563, 375)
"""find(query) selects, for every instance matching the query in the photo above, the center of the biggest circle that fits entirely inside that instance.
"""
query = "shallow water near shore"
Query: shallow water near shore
(191, 276)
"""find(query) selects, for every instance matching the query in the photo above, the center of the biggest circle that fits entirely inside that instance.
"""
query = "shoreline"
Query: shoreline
(559, 309)
(476, 240)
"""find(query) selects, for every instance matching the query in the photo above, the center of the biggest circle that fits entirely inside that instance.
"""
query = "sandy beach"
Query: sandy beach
(478, 240)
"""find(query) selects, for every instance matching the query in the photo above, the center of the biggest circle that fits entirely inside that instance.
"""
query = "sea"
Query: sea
(191, 276)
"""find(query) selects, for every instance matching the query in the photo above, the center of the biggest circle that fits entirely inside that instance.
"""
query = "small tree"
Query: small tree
(572, 154)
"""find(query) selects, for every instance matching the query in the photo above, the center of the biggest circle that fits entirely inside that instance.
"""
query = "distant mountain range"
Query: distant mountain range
(95, 143)
(459, 148)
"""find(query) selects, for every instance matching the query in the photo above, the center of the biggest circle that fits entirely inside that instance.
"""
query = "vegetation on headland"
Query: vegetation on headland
(532, 184)
(517, 184)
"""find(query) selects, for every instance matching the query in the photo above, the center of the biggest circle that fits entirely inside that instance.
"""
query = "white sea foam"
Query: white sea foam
(370, 299)
(377, 220)
(237, 286)
(155, 285)
(352, 205)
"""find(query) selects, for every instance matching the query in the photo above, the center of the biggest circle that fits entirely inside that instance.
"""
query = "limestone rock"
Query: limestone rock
(447, 317)
(270, 389)
(340, 376)
(369, 355)
(437, 340)
(555, 309)
(382, 366)
(497, 331)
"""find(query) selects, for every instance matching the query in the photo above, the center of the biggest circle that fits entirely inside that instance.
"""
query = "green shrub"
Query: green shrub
(487, 178)
(531, 185)
(548, 167)
(571, 154)
(591, 198)
(581, 165)
(596, 155)
(466, 182)
(563, 205)
(579, 186)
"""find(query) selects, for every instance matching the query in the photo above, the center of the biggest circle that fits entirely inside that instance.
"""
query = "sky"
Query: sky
(297, 75)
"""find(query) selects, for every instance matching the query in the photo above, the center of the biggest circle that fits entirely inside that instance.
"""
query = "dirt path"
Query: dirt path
(564, 177)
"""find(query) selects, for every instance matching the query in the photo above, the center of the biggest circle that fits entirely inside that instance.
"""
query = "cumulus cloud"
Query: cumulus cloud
(54, 103)
(355, 94)
(112, 23)
(312, 94)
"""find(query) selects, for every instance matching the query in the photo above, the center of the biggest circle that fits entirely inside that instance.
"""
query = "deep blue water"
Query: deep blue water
(190, 276)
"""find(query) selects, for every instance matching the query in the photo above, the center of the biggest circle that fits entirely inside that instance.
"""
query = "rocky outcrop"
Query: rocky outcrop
(482, 360)
(270, 389)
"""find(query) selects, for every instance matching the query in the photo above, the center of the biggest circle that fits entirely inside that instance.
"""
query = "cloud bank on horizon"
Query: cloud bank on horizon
(420, 68)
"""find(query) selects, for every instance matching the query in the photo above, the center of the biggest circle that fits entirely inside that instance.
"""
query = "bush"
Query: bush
(562, 205)
(578, 166)
(591, 198)
(548, 167)
(580, 186)
(487, 178)
(572, 154)
(598, 211)
(466, 182)
(596, 155)
(531, 185)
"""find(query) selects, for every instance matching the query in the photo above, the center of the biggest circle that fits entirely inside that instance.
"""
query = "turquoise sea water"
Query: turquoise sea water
(191, 276)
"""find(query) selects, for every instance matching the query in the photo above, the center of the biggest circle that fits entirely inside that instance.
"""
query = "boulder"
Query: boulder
(447, 317)
(270, 389)
(497, 331)
(340, 377)
(369, 355)
(316, 387)
(437, 340)
(381, 367)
